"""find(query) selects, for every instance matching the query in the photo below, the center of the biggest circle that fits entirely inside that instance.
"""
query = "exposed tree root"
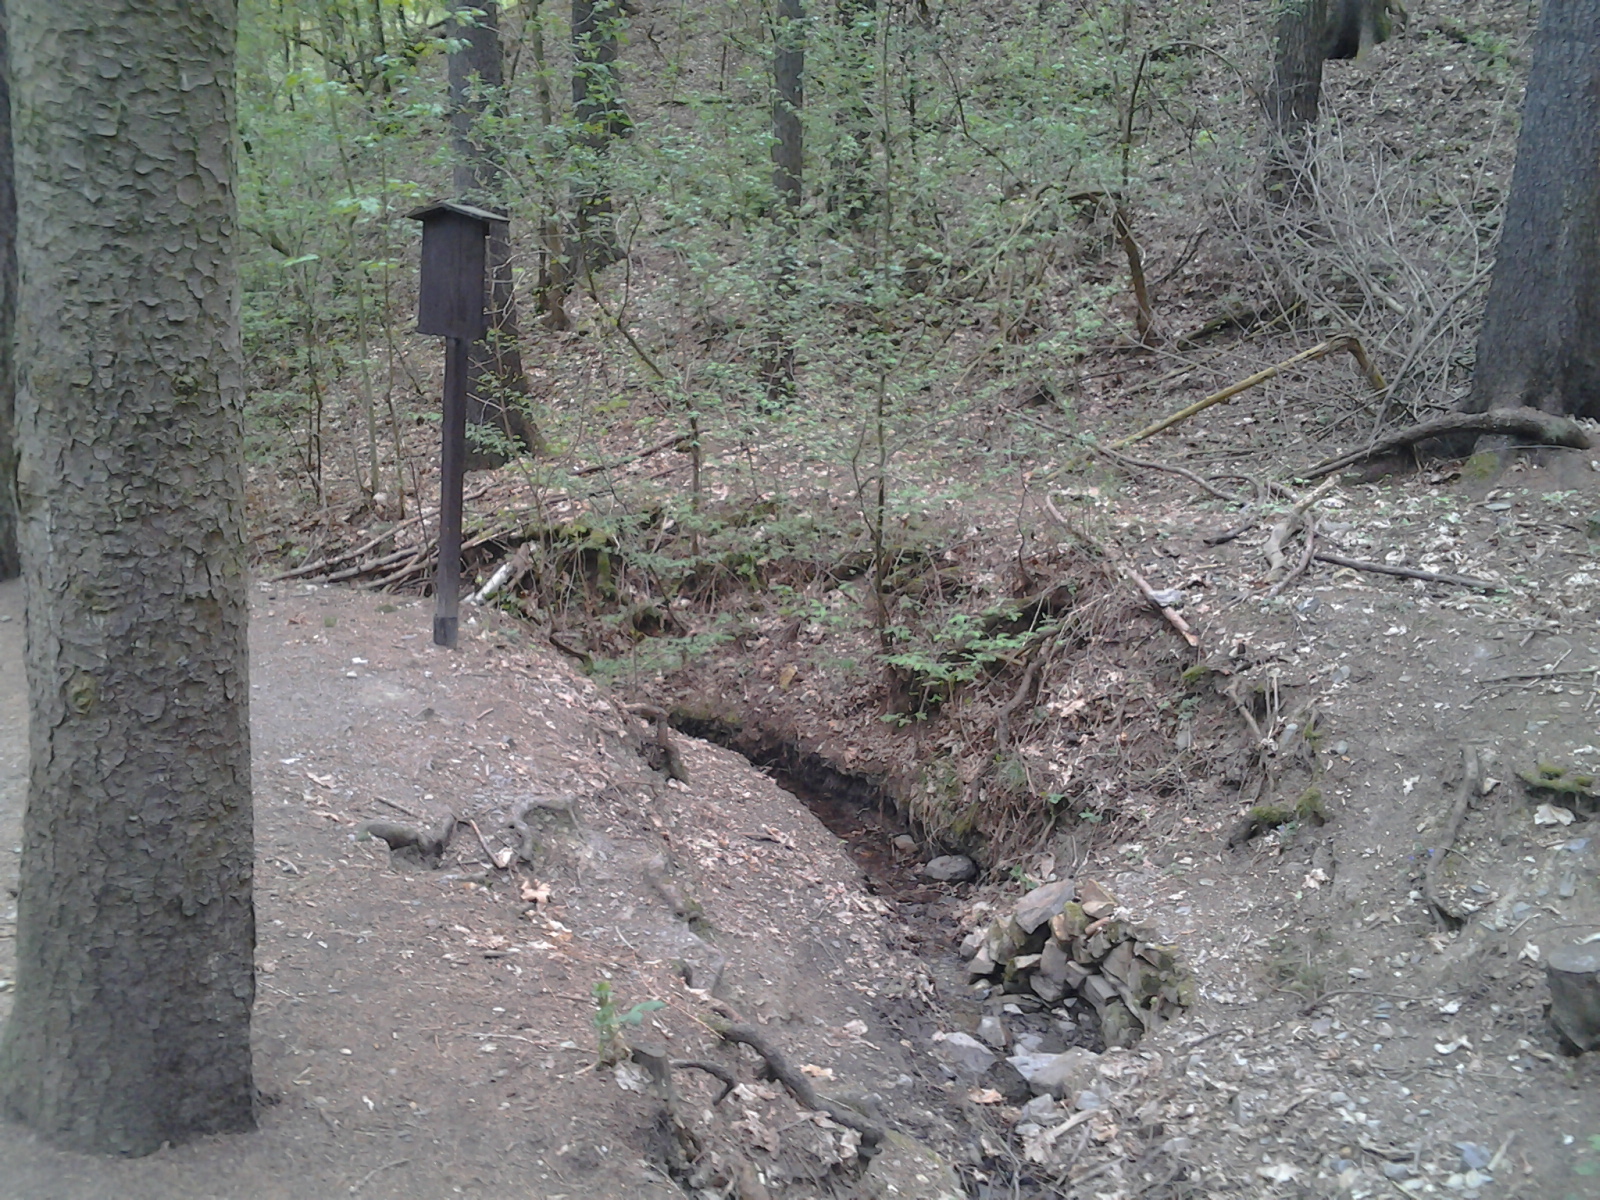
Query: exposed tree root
(1528, 423)
(1436, 856)
(413, 841)
(800, 1087)
(662, 753)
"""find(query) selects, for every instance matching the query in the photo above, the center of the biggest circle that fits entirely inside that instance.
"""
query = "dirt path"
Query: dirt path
(429, 1034)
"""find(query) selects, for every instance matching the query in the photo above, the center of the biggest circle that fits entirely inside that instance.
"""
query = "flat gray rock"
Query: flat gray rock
(950, 868)
(1057, 1075)
(1039, 905)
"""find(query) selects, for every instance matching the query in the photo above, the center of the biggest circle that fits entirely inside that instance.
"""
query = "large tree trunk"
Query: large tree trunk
(497, 386)
(1538, 346)
(10, 562)
(602, 118)
(135, 922)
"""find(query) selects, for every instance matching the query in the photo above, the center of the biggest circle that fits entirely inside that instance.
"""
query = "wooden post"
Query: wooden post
(451, 304)
(452, 464)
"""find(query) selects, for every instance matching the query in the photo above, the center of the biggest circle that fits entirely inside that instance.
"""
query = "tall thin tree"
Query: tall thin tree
(497, 386)
(135, 922)
(10, 562)
(601, 118)
(788, 182)
(1537, 345)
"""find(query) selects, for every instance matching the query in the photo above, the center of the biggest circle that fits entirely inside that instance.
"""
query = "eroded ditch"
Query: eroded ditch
(1003, 1013)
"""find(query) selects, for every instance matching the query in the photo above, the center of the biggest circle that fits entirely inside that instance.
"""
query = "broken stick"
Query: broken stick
(1359, 564)
(1320, 350)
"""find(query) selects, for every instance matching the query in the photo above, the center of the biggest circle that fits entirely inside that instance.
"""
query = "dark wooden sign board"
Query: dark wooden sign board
(452, 304)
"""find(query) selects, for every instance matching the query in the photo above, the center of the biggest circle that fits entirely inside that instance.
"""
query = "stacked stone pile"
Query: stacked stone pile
(1066, 940)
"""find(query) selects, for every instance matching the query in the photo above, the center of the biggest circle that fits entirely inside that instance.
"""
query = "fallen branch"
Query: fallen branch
(373, 544)
(1167, 611)
(1458, 813)
(506, 574)
(1359, 564)
(1522, 422)
(665, 444)
(1320, 350)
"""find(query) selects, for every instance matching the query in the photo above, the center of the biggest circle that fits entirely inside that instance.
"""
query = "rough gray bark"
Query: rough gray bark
(497, 386)
(135, 922)
(602, 117)
(1537, 346)
(10, 562)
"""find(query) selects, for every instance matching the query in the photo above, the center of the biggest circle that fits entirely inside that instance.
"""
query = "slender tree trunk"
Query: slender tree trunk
(497, 386)
(789, 98)
(850, 192)
(10, 562)
(788, 181)
(555, 278)
(1295, 92)
(602, 118)
(1538, 346)
(135, 923)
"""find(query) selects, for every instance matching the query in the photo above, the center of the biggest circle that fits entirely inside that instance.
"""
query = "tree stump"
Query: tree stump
(1574, 975)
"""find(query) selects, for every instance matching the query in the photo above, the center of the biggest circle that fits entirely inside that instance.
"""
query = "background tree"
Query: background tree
(497, 386)
(135, 921)
(1537, 345)
(788, 183)
(601, 118)
(1309, 34)
(10, 563)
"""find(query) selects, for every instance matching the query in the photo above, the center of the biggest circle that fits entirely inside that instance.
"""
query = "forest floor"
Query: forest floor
(429, 1033)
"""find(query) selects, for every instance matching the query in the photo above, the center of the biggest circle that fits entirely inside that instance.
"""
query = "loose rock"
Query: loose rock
(950, 868)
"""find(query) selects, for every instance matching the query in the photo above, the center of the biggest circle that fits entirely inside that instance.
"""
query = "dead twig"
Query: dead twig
(1522, 422)
(1305, 560)
(482, 841)
(1145, 464)
(1138, 580)
(1358, 564)
(1166, 610)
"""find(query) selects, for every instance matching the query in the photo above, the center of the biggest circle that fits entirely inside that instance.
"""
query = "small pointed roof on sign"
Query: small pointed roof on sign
(461, 210)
